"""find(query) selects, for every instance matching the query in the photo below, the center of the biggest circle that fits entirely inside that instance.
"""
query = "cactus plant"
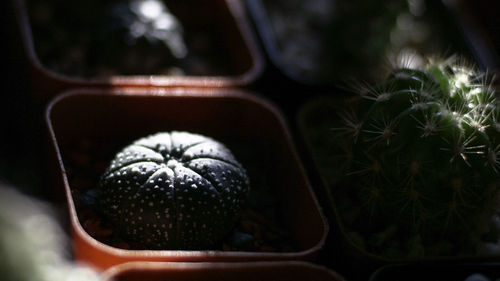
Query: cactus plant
(174, 190)
(422, 155)
(33, 244)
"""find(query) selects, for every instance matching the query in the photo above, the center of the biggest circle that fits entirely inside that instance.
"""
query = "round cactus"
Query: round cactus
(423, 155)
(174, 190)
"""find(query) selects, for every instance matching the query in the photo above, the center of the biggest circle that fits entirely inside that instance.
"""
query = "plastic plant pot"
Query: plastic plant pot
(439, 271)
(279, 271)
(251, 127)
(219, 36)
(303, 69)
(325, 44)
(314, 119)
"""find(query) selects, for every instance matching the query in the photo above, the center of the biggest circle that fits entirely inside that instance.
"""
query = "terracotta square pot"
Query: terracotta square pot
(209, 24)
(279, 271)
(108, 120)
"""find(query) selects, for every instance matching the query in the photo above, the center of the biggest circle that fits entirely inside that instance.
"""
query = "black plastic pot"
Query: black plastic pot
(323, 44)
(315, 119)
(439, 271)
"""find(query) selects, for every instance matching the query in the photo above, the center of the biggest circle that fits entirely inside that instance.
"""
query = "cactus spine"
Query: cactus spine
(423, 150)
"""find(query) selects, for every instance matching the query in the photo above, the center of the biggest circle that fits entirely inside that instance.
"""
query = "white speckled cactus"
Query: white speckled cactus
(174, 190)
(423, 150)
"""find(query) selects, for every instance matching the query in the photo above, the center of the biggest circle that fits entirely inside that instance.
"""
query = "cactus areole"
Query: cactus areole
(174, 190)
(423, 157)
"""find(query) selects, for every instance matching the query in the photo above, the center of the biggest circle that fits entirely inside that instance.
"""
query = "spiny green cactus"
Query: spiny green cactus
(422, 153)
(33, 244)
(174, 190)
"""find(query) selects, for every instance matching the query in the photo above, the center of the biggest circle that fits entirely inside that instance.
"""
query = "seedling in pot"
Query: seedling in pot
(102, 39)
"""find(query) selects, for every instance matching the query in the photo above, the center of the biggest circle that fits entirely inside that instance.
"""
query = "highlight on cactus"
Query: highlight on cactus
(174, 190)
(422, 156)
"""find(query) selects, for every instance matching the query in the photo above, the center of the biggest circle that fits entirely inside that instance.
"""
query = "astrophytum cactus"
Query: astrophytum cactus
(422, 155)
(174, 190)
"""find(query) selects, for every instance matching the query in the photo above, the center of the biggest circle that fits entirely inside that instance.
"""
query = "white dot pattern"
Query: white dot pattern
(174, 190)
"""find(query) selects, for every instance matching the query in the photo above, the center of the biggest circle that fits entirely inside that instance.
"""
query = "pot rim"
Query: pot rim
(202, 266)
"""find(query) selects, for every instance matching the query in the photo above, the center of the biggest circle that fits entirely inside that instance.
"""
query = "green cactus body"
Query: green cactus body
(174, 190)
(423, 150)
